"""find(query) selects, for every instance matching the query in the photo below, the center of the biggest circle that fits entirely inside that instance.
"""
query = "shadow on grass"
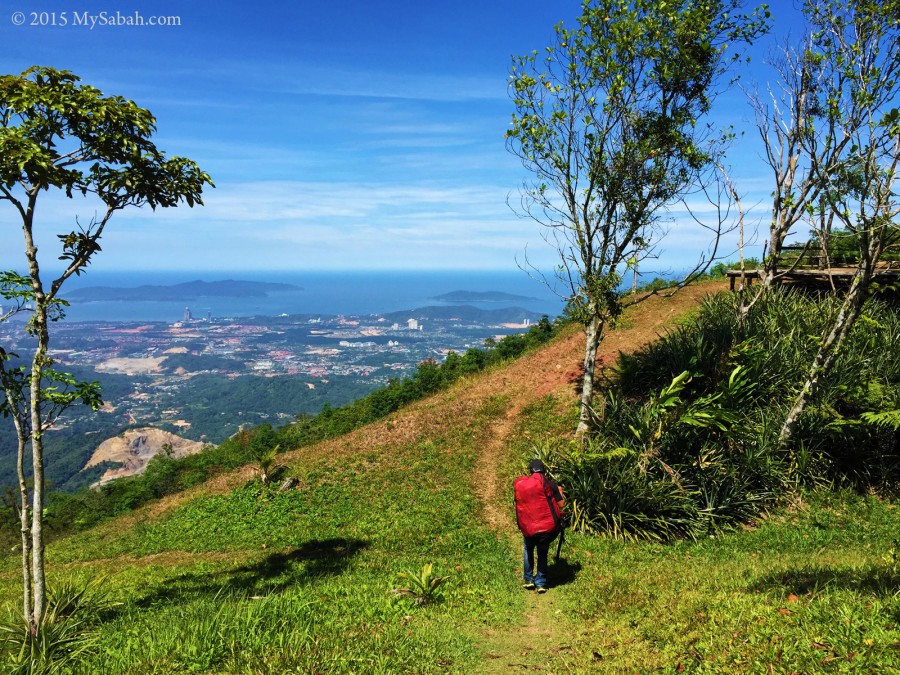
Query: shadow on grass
(272, 574)
(576, 378)
(881, 581)
(563, 572)
(319, 558)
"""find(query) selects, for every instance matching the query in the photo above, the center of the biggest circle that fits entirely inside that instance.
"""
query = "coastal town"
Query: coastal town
(317, 347)
(164, 370)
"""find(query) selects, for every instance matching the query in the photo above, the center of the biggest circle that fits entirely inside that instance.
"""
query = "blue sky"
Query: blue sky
(354, 135)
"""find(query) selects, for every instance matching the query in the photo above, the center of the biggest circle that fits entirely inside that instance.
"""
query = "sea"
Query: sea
(317, 293)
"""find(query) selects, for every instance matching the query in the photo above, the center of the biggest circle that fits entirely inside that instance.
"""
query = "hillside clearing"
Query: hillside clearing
(234, 577)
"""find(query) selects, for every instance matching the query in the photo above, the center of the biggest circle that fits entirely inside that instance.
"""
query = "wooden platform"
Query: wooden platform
(812, 277)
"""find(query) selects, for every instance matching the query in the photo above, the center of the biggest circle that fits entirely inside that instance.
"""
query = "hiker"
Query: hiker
(539, 503)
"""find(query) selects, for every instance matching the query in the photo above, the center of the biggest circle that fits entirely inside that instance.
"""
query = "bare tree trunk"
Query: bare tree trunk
(593, 333)
(41, 332)
(828, 349)
(768, 269)
(24, 513)
(37, 464)
(825, 222)
(12, 389)
(782, 126)
(743, 307)
(24, 510)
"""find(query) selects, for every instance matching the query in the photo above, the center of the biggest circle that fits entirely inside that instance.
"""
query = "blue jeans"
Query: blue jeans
(541, 543)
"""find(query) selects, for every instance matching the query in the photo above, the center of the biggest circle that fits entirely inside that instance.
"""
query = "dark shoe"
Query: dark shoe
(541, 589)
(528, 586)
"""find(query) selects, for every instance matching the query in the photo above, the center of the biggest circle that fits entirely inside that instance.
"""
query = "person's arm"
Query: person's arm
(559, 495)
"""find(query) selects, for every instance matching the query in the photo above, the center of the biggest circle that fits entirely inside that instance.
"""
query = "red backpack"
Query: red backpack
(536, 509)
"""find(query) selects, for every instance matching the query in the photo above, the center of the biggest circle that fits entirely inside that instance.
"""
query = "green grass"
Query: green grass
(262, 581)
(794, 594)
(812, 587)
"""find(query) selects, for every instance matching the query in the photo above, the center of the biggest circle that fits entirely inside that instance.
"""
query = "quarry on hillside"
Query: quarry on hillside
(133, 449)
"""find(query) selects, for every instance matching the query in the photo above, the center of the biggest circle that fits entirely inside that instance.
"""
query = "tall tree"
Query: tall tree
(782, 118)
(610, 123)
(827, 85)
(56, 133)
(851, 119)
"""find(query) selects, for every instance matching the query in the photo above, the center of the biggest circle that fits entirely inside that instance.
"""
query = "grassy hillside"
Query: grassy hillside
(237, 577)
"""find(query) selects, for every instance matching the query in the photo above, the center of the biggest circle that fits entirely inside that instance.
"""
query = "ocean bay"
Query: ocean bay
(320, 292)
(247, 360)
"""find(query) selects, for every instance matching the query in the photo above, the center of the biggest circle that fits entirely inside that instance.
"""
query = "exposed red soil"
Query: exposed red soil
(554, 369)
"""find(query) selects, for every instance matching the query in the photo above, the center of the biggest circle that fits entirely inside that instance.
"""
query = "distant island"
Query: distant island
(190, 290)
(481, 296)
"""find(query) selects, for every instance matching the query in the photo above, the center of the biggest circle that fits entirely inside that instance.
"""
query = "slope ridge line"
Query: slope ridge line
(553, 369)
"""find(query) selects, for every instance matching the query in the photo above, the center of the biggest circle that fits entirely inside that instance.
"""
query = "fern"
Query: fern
(886, 418)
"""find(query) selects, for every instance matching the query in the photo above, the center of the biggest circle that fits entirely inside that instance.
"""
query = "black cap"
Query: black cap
(536, 466)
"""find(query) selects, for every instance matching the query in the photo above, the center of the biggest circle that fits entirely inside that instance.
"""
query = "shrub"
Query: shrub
(66, 635)
(689, 440)
(423, 587)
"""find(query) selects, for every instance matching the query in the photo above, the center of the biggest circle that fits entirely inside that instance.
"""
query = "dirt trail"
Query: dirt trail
(554, 370)
(488, 486)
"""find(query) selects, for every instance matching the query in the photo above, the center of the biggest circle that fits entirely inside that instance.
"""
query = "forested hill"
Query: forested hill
(463, 297)
(465, 313)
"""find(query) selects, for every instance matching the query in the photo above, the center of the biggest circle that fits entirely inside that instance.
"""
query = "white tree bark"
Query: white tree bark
(39, 327)
(829, 349)
(593, 334)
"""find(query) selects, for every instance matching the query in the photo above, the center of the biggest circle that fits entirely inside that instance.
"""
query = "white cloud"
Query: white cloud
(281, 223)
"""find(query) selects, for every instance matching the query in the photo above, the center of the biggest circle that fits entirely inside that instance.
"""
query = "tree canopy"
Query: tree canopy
(58, 133)
(610, 123)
